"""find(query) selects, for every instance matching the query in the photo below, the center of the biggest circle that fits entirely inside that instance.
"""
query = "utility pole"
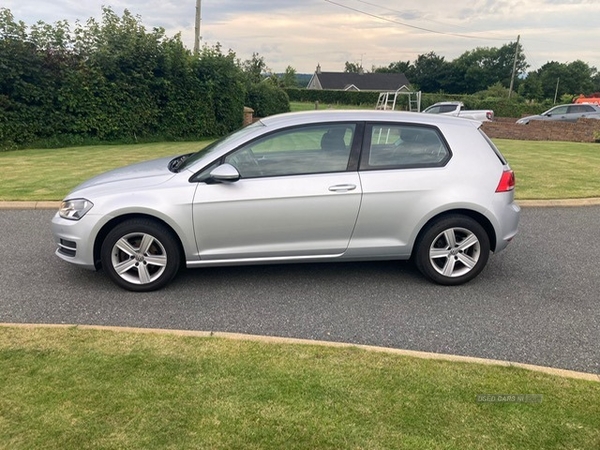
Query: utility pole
(514, 69)
(197, 36)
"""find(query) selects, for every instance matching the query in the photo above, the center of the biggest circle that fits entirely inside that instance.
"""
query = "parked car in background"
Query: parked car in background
(457, 109)
(301, 187)
(565, 113)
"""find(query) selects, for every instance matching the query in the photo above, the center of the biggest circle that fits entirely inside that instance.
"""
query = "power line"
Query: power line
(386, 19)
(425, 18)
(546, 41)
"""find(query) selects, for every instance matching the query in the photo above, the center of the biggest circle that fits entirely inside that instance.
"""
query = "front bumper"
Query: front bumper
(75, 239)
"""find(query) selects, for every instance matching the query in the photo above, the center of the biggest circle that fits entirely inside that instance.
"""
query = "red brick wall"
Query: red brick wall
(584, 130)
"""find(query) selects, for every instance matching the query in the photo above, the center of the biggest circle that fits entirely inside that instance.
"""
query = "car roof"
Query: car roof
(449, 102)
(364, 115)
(575, 104)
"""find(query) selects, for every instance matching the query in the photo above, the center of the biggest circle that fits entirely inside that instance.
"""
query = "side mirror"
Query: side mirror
(225, 173)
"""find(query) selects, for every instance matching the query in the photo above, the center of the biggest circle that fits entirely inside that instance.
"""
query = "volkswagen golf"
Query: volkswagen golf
(301, 187)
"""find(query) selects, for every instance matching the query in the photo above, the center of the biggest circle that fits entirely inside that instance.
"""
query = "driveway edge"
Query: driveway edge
(594, 201)
(282, 340)
(30, 205)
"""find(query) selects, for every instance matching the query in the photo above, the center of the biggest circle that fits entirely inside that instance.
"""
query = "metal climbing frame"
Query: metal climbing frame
(387, 100)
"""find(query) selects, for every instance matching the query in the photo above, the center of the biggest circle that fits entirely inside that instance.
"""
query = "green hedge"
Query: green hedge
(332, 97)
(111, 81)
(266, 99)
(502, 107)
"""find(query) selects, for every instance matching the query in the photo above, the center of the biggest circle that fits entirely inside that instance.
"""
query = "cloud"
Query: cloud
(304, 33)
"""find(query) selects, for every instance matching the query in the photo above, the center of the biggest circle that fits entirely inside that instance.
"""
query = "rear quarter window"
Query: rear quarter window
(397, 146)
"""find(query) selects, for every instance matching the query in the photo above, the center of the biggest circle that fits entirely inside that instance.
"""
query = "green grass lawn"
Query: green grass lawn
(550, 170)
(308, 106)
(49, 174)
(544, 170)
(70, 388)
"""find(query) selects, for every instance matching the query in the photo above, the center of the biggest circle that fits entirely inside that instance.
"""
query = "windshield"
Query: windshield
(217, 145)
(556, 110)
(432, 109)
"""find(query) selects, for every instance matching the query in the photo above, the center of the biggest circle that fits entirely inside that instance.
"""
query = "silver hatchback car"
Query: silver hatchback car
(301, 187)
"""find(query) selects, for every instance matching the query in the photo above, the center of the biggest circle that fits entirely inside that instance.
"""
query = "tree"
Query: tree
(430, 72)
(288, 78)
(503, 61)
(559, 78)
(477, 69)
(596, 83)
(395, 67)
(352, 67)
(255, 68)
(580, 77)
(531, 87)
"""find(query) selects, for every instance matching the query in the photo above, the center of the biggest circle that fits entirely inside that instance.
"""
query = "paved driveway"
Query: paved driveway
(537, 302)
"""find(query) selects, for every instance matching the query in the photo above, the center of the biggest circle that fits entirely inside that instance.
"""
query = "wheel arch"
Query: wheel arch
(477, 216)
(108, 226)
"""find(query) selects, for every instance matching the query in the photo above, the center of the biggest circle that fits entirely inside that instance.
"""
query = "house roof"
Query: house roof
(363, 82)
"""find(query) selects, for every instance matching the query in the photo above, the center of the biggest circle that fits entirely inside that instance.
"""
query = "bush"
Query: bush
(333, 97)
(111, 82)
(266, 99)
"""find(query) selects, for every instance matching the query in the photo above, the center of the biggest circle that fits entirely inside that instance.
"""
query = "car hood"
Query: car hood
(134, 176)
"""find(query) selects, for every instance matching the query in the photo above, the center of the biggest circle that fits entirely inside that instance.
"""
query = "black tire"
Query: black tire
(140, 255)
(452, 250)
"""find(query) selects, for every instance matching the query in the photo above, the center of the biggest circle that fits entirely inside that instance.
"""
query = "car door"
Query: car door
(401, 171)
(576, 112)
(298, 196)
(558, 113)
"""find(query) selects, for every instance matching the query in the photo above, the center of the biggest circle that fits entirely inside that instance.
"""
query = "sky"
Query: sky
(373, 33)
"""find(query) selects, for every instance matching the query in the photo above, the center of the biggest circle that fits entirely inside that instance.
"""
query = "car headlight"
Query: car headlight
(74, 209)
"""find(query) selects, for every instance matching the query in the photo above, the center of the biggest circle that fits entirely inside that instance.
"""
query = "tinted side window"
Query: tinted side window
(580, 109)
(447, 108)
(434, 109)
(390, 146)
(300, 150)
(558, 110)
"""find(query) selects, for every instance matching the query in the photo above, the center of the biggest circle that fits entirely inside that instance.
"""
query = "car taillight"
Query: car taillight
(489, 115)
(507, 181)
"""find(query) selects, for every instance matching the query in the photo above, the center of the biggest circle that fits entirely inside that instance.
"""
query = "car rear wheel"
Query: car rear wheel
(452, 250)
(140, 255)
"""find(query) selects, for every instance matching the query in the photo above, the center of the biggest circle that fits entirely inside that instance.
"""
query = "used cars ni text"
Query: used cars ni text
(301, 187)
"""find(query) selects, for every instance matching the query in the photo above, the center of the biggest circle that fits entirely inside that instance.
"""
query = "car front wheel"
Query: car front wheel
(452, 250)
(140, 255)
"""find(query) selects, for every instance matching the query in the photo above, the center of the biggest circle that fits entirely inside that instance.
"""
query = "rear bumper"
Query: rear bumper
(507, 213)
